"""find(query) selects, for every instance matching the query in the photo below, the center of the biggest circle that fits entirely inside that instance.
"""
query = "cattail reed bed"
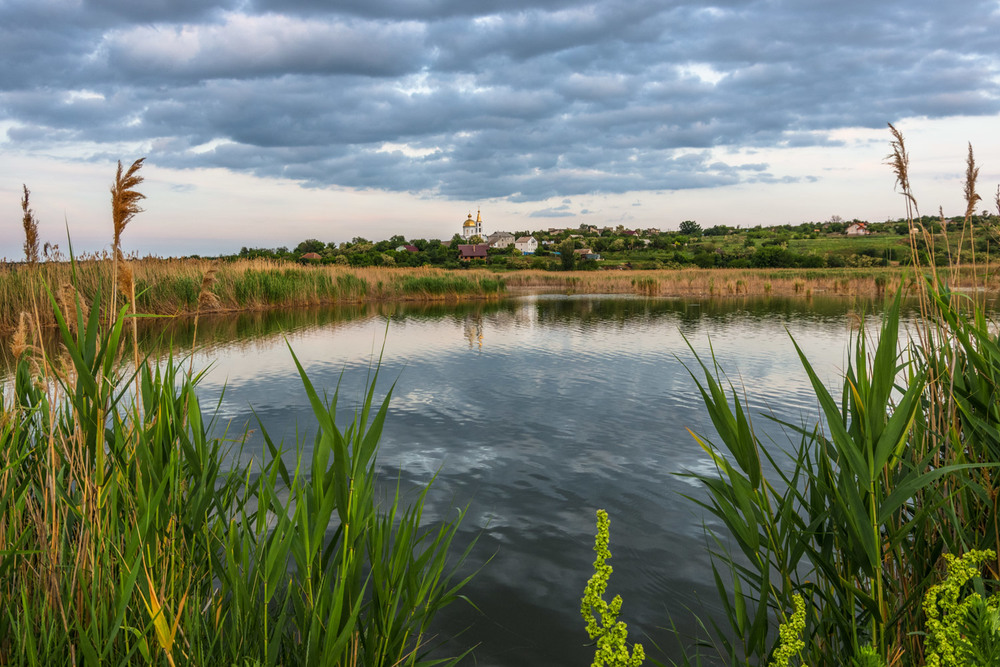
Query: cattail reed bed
(186, 287)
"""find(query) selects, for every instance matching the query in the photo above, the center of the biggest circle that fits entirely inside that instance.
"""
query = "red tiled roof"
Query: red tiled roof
(477, 251)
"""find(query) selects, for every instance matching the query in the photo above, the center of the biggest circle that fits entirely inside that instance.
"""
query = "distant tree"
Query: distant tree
(662, 241)
(309, 245)
(773, 256)
(705, 260)
(690, 228)
(567, 255)
(717, 230)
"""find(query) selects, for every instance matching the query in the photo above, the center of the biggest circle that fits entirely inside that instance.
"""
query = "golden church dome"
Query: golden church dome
(469, 222)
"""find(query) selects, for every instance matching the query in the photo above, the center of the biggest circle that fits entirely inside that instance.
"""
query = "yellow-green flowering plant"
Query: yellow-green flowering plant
(962, 632)
(611, 635)
(790, 642)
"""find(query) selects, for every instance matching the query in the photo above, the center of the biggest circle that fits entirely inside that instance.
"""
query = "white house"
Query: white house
(527, 245)
(858, 229)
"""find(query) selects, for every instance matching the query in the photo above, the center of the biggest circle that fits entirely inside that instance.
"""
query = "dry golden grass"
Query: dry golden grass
(744, 282)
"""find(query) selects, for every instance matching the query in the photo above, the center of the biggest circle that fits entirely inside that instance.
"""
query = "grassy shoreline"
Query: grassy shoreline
(190, 287)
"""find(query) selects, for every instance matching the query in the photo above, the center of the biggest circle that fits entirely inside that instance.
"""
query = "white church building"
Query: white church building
(472, 227)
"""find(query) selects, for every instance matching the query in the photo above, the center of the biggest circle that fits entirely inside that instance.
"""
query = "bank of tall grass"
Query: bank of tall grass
(179, 287)
(129, 534)
(708, 283)
(853, 523)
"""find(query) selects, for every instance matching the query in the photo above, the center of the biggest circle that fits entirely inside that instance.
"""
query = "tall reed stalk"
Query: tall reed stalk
(30, 229)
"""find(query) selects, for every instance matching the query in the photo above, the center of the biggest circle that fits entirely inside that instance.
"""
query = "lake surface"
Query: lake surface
(534, 412)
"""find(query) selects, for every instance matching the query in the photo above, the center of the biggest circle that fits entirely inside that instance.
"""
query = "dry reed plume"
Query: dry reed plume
(124, 207)
(125, 198)
(30, 230)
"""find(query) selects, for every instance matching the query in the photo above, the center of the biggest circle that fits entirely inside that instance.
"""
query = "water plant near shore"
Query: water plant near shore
(609, 634)
(856, 518)
(131, 533)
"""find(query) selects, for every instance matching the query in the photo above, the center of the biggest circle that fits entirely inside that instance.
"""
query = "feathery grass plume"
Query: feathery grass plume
(23, 342)
(69, 298)
(19, 344)
(996, 200)
(971, 176)
(206, 298)
(125, 198)
(899, 160)
(971, 199)
(124, 206)
(30, 229)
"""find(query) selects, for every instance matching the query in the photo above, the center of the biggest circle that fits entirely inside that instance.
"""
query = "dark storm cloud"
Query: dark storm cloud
(522, 99)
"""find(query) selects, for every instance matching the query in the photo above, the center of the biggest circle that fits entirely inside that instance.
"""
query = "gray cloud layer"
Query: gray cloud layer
(522, 99)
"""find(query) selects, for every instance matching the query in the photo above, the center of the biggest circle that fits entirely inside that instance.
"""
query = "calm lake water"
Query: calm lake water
(534, 412)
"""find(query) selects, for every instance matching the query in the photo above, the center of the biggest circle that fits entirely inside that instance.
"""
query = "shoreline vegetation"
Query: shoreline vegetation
(132, 533)
(189, 287)
(872, 539)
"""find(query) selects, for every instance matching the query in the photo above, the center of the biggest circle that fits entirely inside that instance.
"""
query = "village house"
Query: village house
(500, 239)
(527, 245)
(467, 252)
(858, 229)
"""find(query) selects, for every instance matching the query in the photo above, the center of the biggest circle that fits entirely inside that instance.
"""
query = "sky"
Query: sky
(266, 122)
